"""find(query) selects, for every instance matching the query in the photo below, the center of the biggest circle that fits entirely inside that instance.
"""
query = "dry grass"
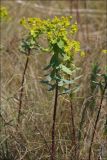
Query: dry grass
(32, 140)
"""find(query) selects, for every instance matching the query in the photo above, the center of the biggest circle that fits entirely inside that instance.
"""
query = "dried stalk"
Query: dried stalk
(44, 139)
(96, 121)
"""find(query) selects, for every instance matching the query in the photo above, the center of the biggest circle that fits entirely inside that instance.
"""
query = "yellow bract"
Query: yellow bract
(82, 53)
(72, 47)
(55, 20)
(74, 28)
(56, 29)
(33, 25)
(104, 51)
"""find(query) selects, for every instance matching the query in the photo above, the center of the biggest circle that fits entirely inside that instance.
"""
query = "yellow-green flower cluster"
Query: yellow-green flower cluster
(61, 29)
(104, 51)
(74, 28)
(3, 13)
(33, 25)
(56, 30)
(72, 47)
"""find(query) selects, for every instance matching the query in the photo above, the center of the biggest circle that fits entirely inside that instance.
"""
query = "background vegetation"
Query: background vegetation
(30, 140)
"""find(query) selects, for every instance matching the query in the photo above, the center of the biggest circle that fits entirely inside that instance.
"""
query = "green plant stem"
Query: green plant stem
(22, 88)
(54, 122)
(96, 121)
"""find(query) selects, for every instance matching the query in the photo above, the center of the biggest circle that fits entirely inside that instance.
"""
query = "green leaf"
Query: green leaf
(97, 83)
(48, 78)
(60, 83)
(60, 44)
(68, 81)
(65, 58)
(45, 49)
(51, 87)
(53, 74)
(54, 62)
(44, 81)
(65, 69)
(55, 48)
(66, 91)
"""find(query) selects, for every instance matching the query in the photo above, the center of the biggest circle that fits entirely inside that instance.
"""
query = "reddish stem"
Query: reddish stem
(22, 88)
(54, 122)
(73, 130)
(96, 122)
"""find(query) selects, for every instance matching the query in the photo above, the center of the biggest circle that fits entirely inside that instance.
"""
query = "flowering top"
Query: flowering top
(59, 35)
(34, 25)
(58, 31)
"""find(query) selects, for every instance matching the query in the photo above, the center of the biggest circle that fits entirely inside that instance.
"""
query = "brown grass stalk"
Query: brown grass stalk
(45, 141)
